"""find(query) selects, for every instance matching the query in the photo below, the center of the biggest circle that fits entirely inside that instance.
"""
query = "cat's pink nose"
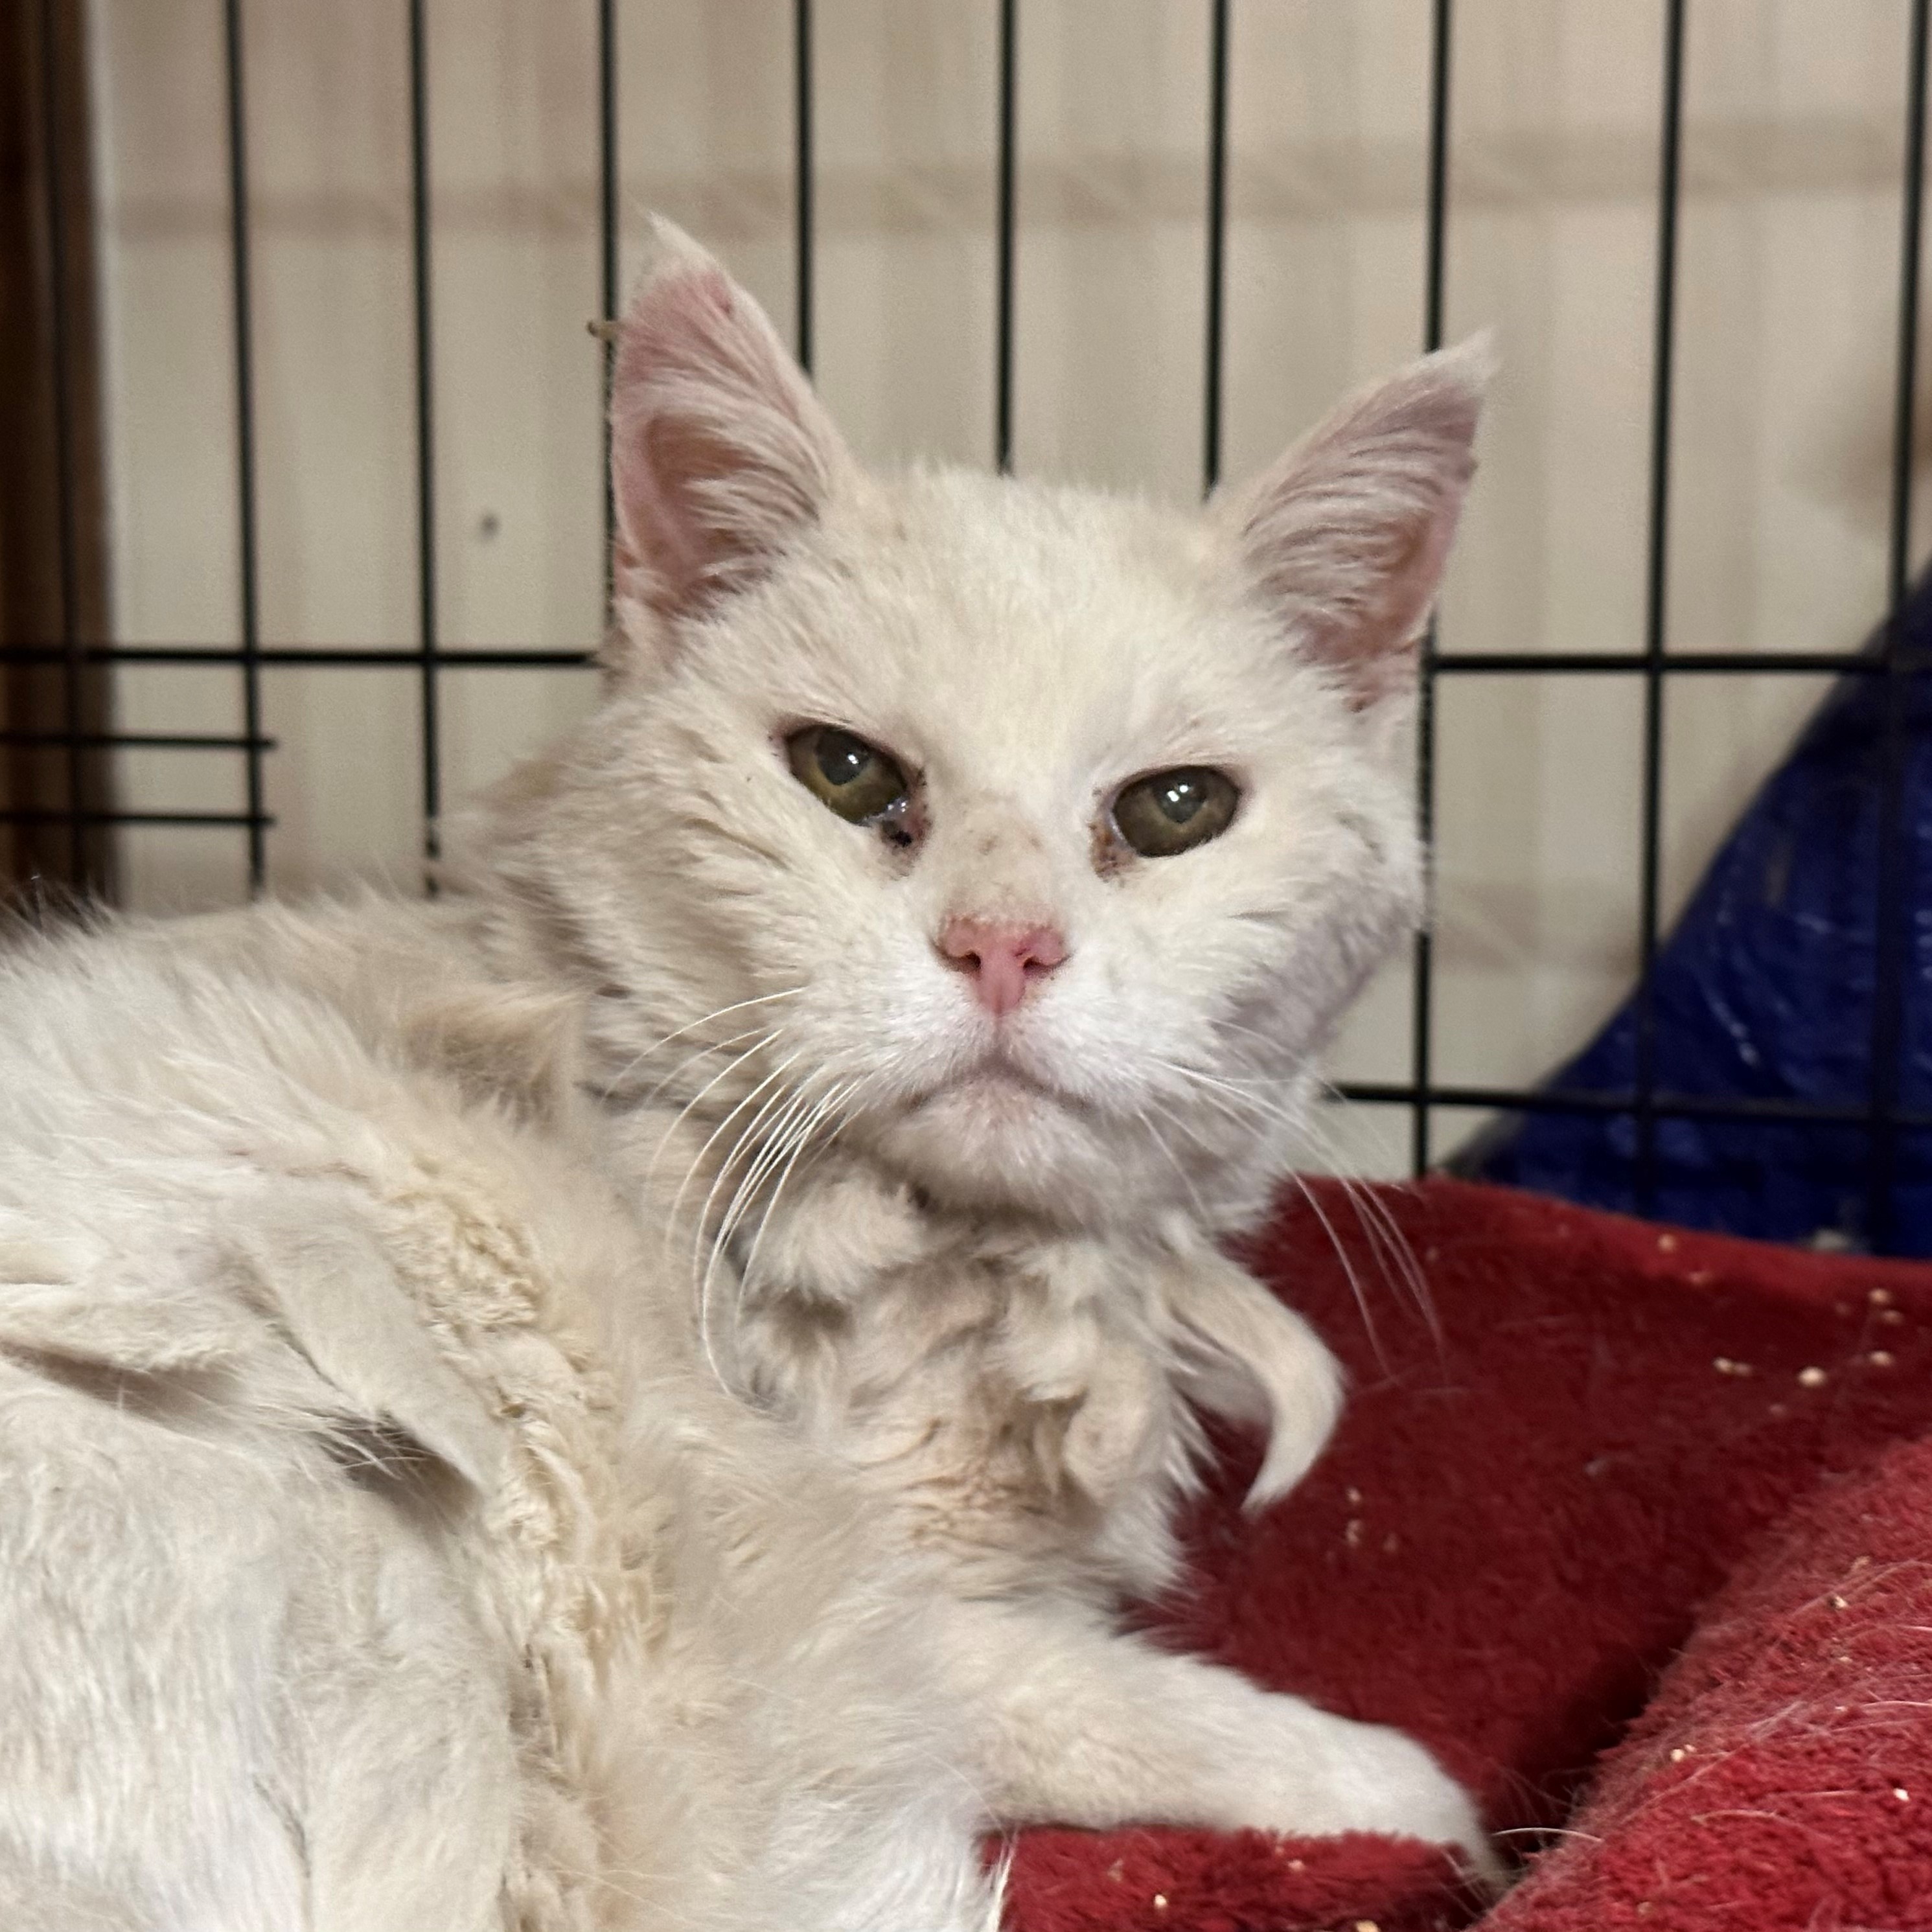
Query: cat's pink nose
(1003, 960)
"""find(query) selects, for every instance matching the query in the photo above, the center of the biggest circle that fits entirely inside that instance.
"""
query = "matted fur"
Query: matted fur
(624, 1397)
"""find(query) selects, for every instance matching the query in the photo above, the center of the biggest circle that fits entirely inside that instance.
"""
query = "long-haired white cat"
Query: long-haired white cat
(629, 1396)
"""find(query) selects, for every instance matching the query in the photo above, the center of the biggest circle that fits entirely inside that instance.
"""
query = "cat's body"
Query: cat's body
(629, 1395)
(373, 1553)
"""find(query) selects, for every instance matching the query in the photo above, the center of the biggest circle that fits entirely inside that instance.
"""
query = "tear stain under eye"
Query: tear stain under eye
(902, 825)
(1111, 853)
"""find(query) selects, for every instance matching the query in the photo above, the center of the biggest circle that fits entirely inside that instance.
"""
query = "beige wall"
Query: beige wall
(1787, 284)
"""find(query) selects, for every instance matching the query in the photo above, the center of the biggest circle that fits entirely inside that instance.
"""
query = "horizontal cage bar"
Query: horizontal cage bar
(1700, 664)
(28, 814)
(141, 741)
(306, 656)
(1697, 664)
(1663, 1105)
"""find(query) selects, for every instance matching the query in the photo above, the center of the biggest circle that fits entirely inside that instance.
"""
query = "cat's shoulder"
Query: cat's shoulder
(369, 981)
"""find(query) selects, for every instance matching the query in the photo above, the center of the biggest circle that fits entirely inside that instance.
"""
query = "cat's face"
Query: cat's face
(1032, 839)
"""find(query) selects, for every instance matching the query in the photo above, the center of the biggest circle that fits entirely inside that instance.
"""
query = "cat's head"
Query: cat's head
(1034, 839)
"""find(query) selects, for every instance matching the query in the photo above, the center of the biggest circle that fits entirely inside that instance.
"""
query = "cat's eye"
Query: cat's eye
(1168, 812)
(855, 779)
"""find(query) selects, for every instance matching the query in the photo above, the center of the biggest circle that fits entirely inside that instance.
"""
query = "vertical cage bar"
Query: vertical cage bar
(1435, 273)
(73, 723)
(1656, 594)
(1889, 940)
(801, 47)
(607, 163)
(426, 585)
(247, 545)
(1004, 238)
(1217, 245)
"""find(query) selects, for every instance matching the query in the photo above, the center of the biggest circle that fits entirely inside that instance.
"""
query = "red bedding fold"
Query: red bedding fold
(1637, 1536)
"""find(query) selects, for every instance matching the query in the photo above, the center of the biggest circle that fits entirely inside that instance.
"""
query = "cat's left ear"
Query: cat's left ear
(1346, 537)
(721, 457)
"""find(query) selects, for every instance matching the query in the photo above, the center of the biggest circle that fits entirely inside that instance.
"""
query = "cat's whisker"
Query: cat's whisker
(801, 1133)
(1247, 1092)
(790, 1138)
(1354, 1280)
(1391, 1248)
(758, 1042)
(802, 1140)
(705, 1053)
(1173, 1159)
(1268, 1040)
(776, 1075)
(775, 1142)
(1242, 1116)
(846, 1095)
(1326, 1146)
(1232, 1099)
(1379, 1226)
(1205, 1142)
(690, 1026)
(1393, 1255)
(1393, 1243)
(1235, 1104)
(776, 1109)
(684, 1112)
(774, 1105)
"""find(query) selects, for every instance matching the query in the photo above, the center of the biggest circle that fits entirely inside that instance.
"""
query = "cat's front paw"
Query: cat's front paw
(1336, 1775)
(1401, 1785)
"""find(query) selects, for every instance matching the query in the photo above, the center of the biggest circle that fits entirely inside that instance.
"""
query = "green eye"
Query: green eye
(855, 779)
(1168, 812)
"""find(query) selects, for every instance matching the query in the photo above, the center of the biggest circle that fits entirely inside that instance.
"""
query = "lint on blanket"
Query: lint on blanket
(1638, 1538)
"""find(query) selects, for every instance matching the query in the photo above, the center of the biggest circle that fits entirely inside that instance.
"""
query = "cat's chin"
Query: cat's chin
(994, 1107)
(998, 1089)
(997, 1137)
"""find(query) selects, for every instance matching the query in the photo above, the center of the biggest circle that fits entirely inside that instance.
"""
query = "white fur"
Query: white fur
(374, 1552)
(622, 1397)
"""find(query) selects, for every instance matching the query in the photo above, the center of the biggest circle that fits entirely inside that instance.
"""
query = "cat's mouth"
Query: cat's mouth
(996, 1082)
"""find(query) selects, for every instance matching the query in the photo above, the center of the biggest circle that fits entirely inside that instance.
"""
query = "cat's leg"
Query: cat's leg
(1079, 1725)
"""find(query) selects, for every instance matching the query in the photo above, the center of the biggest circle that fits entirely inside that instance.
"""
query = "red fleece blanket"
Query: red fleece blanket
(1641, 1546)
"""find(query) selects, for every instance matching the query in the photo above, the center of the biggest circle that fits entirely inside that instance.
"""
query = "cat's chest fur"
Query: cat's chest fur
(1010, 1391)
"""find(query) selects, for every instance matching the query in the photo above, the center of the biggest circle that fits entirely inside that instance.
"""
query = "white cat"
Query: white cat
(628, 1395)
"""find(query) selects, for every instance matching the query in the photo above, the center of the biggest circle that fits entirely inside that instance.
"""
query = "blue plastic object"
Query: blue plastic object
(1765, 990)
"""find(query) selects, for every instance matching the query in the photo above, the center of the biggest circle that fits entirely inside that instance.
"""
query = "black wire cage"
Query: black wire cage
(62, 642)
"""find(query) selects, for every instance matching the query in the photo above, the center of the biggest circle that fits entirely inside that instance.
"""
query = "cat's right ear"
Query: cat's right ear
(721, 455)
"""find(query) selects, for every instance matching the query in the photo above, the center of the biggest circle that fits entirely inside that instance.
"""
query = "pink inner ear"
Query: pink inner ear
(657, 452)
(661, 490)
(720, 453)
(1379, 659)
